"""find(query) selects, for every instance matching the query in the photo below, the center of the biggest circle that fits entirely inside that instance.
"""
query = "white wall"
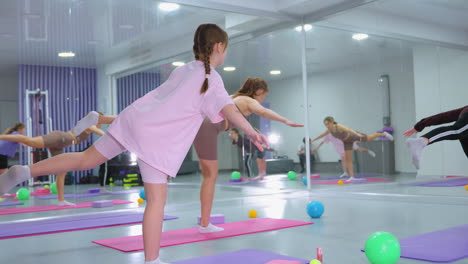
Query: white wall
(440, 85)
(8, 99)
(353, 97)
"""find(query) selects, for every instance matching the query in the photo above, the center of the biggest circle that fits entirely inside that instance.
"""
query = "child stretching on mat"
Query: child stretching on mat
(348, 137)
(456, 131)
(56, 141)
(339, 147)
(159, 128)
(248, 101)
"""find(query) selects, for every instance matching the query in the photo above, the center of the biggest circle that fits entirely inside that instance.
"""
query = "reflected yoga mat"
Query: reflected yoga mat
(191, 235)
(246, 256)
(71, 223)
(339, 178)
(345, 182)
(83, 195)
(266, 179)
(451, 182)
(441, 246)
(10, 203)
(51, 207)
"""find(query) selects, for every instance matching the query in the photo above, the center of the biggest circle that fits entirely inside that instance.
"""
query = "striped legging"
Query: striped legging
(457, 131)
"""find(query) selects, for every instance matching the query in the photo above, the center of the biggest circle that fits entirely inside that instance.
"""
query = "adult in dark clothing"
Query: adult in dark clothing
(456, 131)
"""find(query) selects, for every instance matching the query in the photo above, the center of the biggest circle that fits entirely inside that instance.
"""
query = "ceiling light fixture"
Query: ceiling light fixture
(67, 54)
(168, 7)
(229, 69)
(307, 27)
(275, 72)
(178, 63)
(360, 36)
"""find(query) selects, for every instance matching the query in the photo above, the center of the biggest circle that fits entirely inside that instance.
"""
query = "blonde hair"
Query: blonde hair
(330, 119)
(17, 126)
(251, 86)
(206, 36)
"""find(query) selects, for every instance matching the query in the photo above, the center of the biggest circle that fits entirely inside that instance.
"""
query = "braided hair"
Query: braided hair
(206, 36)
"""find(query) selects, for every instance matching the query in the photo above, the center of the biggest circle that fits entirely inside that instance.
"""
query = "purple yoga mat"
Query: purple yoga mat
(267, 179)
(83, 195)
(441, 246)
(451, 182)
(246, 256)
(10, 203)
(71, 223)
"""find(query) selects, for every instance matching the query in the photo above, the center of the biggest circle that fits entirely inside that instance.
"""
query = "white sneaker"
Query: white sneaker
(415, 146)
(388, 136)
(350, 179)
(345, 174)
(258, 178)
(156, 261)
(210, 229)
(371, 153)
(65, 203)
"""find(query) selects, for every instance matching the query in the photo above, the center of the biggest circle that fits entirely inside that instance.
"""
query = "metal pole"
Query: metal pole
(306, 104)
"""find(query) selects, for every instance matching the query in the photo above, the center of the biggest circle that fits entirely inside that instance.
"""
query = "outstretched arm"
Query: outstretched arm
(232, 114)
(321, 136)
(256, 108)
(96, 130)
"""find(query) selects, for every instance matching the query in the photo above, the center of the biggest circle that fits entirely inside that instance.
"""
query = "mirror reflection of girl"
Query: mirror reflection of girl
(348, 136)
(339, 147)
(56, 141)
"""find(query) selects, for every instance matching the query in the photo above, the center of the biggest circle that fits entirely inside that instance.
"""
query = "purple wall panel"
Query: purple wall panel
(72, 94)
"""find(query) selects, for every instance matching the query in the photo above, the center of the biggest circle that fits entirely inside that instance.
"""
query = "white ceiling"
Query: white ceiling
(121, 33)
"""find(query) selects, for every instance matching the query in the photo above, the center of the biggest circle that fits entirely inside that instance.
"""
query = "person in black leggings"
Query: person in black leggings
(244, 145)
(456, 131)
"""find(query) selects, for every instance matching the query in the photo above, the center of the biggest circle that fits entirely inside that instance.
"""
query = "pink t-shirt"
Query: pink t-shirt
(160, 126)
(337, 143)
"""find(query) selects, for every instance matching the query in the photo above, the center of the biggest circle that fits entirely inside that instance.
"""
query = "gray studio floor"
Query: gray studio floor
(352, 213)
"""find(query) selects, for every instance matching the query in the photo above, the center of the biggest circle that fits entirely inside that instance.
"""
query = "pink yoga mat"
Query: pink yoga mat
(345, 182)
(41, 208)
(191, 235)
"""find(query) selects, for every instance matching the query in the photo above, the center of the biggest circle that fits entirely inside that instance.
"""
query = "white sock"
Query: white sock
(15, 175)
(156, 261)
(345, 174)
(65, 203)
(415, 146)
(90, 119)
(371, 153)
(210, 229)
(388, 136)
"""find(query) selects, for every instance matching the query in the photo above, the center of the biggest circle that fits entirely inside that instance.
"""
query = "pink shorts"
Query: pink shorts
(109, 147)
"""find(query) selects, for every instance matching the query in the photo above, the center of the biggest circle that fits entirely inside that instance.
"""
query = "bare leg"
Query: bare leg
(209, 170)
(66, 162)
(261, 164)
(153, 219)
(343, 166)
(106, 119)
(349, 163)
(35, 142)
(3, 170)
(62, 163)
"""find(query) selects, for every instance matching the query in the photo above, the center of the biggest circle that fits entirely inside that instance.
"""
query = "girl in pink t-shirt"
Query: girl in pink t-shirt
(159, 128)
